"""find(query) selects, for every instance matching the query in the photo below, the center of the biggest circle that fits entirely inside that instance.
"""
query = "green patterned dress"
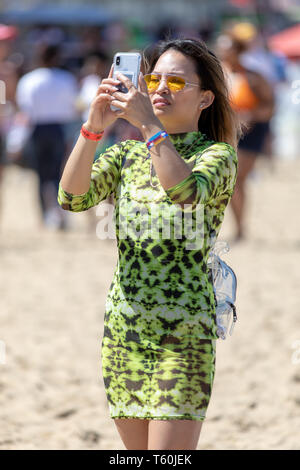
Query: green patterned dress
(159, 341)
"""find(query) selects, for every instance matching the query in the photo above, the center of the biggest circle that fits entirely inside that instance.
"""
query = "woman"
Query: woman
(159, 342)
(252, 97)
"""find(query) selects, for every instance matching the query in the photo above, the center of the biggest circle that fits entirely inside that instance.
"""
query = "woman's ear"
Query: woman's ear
(207, 99)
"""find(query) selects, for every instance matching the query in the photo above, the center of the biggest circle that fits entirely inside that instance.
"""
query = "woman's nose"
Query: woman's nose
(163, 86)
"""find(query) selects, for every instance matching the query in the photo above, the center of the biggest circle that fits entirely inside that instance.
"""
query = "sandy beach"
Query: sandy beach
(53, 288)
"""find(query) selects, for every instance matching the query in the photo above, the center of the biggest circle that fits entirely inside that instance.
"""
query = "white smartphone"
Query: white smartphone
(129, 64)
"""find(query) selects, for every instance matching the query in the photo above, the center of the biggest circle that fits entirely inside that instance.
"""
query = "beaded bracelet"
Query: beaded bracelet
(156, 139)
(91, 135)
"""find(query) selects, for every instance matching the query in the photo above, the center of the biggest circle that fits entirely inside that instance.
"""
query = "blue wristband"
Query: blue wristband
(156, 138)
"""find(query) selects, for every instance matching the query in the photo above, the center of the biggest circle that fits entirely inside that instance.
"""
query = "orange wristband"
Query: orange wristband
(91, 135)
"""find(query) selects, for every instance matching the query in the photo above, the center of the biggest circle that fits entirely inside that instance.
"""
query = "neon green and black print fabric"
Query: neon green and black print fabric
(158, 347)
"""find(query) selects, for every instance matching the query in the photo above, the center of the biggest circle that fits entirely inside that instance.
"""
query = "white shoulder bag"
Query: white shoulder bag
(225, 285)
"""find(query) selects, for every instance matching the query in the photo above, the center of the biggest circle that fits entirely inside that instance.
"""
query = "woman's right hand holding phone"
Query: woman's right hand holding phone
(100, 114)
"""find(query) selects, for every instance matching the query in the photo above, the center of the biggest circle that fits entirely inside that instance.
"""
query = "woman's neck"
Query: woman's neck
(181, 130)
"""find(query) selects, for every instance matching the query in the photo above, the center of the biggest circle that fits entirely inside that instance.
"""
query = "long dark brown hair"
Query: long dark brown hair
(219, 121)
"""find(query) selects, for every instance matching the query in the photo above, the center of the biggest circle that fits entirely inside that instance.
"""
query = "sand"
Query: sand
(53, 288)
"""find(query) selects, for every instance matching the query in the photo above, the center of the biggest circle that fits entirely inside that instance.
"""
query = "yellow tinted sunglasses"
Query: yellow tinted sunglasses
(174, 82)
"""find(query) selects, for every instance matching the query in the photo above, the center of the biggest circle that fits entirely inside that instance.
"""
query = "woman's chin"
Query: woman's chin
(162, 115)
(161, 108)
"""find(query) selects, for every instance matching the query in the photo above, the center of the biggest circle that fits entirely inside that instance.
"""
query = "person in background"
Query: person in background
(272, 65)
(252, 97)
(8, 84)
(47, 95)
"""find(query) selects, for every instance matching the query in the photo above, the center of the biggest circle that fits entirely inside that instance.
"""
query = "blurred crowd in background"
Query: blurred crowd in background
(51, 74)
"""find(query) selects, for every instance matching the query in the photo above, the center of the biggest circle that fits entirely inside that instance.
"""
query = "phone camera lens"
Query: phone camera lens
(118, 60)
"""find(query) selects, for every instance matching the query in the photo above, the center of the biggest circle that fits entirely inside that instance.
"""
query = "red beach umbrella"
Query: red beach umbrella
(287, 41)
(7, 32)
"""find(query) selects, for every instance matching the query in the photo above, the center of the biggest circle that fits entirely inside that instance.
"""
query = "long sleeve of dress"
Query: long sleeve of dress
(213, 174)
(105, 177)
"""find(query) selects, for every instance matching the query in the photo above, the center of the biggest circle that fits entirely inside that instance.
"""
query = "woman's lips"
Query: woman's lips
(160, 103)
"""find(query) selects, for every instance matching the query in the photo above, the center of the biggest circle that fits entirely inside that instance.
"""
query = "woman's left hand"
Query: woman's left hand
(135, 105)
